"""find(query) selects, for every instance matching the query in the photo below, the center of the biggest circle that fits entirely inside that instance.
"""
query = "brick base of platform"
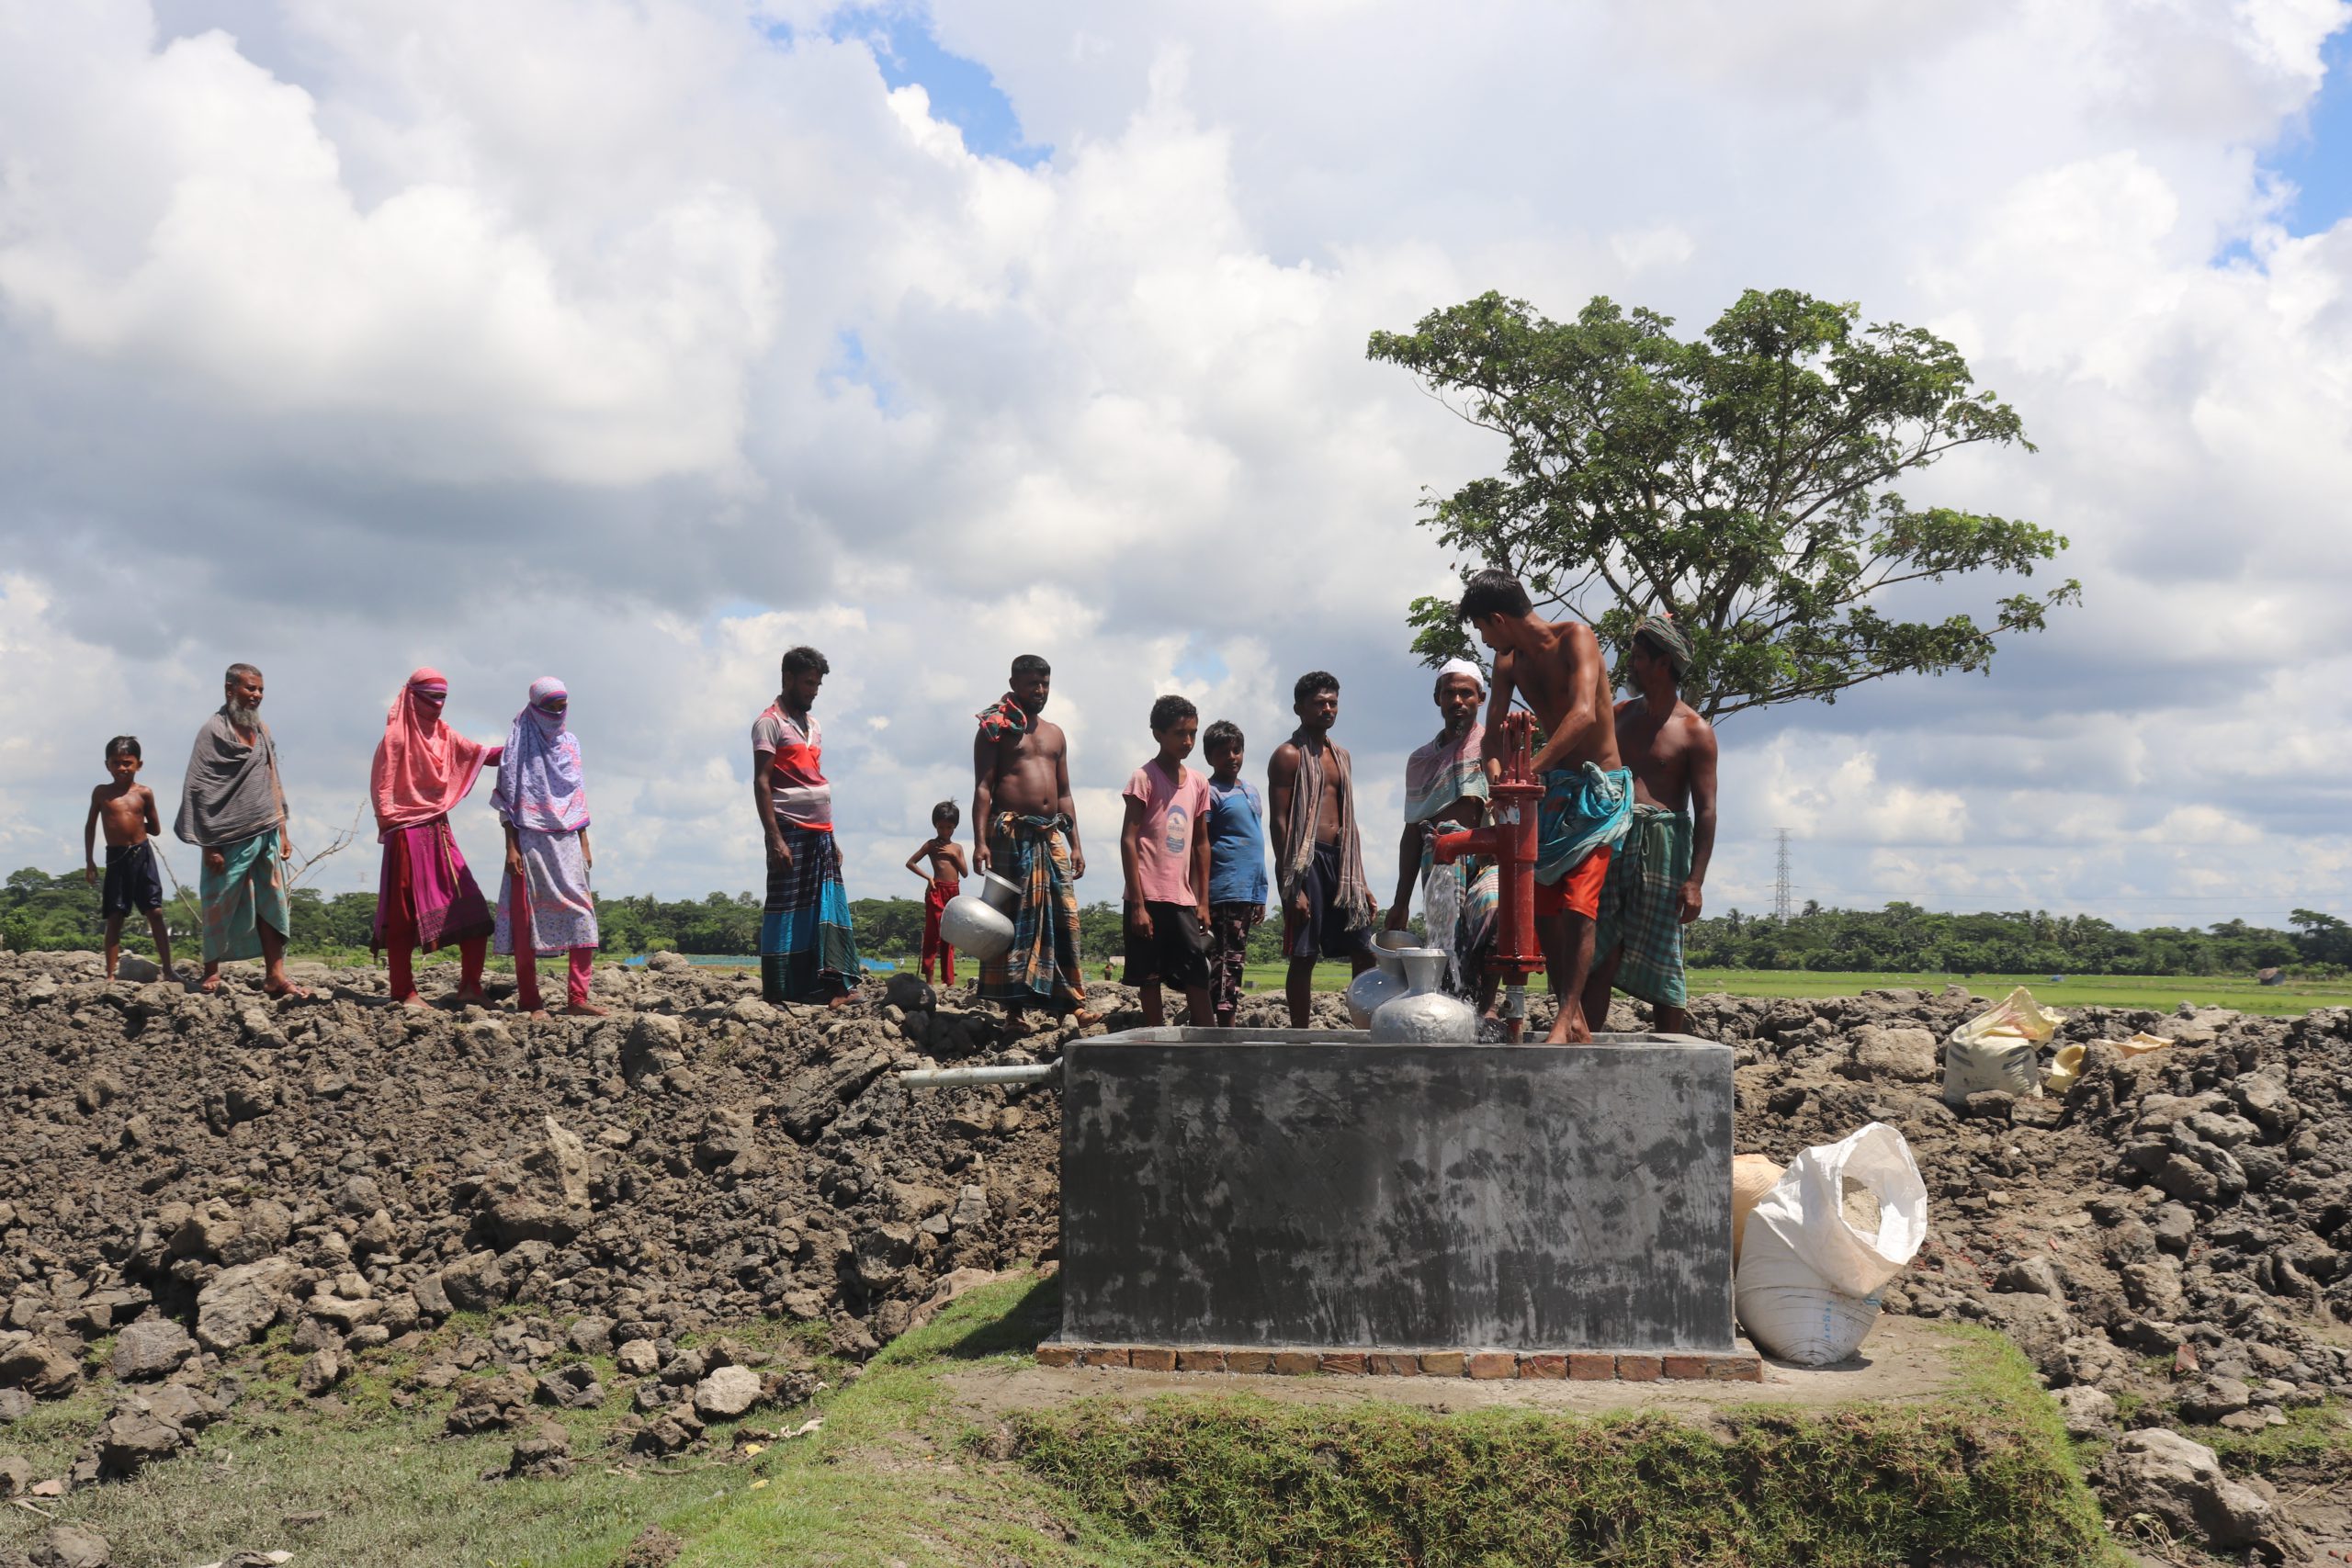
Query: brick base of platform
(1580, 1366)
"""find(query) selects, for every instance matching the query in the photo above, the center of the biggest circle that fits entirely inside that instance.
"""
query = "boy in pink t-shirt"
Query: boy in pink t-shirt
(1164, 852)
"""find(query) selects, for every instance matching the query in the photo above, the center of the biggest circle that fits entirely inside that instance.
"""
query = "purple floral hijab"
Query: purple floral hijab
(539, 783)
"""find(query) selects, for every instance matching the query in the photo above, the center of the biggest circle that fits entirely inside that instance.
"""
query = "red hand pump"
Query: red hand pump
(1508, 838)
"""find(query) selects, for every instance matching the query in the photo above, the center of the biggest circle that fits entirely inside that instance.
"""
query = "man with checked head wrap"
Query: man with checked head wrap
(1655, 878)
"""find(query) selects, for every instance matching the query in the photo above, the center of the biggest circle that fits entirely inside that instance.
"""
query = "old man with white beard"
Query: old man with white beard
(233, 809)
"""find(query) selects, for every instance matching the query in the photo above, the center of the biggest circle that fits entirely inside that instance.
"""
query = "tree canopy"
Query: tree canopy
(1740, 481)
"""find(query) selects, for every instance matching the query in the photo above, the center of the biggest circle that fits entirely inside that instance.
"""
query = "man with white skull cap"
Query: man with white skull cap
(1446, 784)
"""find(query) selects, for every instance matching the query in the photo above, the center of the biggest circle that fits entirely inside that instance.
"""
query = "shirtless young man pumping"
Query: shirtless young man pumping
(1026, 830)
(1587, 790)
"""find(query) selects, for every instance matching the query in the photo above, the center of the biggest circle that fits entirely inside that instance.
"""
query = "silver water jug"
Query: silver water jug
(1425, 1014)
(1385, 982)
(980, 925)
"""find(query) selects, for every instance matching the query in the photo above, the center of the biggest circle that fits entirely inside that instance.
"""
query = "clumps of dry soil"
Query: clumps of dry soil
(2171, 1243)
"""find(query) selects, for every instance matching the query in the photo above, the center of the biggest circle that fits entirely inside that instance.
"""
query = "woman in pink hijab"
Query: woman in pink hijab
(425, 896)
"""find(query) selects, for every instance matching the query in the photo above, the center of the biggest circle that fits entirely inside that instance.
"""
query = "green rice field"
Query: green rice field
(2161, 992)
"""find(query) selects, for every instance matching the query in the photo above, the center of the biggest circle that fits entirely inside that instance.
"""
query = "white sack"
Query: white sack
(1806, 1208)
(1789, 1313)
(1808, 1278)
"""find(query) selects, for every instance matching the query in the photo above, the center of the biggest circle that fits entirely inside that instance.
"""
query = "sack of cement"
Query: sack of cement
(1752, 1176)
(1999, 1049)
(1815, 1252)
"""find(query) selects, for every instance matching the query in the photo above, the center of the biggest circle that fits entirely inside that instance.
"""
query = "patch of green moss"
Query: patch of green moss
(1985, 1476)
(2314, 1436)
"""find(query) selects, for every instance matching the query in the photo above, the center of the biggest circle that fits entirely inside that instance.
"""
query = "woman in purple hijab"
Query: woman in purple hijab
(545, 907)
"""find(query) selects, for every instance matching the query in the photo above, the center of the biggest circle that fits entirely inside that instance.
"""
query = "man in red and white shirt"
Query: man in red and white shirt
(808, 950)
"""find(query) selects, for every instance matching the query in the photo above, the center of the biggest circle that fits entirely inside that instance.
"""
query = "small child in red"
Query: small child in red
(944, 880)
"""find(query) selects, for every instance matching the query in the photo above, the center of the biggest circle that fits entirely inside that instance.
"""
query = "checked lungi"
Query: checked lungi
(1042, 969)
(807, 950)
(1641, 906)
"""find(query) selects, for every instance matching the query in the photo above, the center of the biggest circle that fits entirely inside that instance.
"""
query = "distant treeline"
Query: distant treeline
(1904, 938)
(38, 910)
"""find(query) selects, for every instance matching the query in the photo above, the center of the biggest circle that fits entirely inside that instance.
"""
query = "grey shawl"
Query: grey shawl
(230, 791)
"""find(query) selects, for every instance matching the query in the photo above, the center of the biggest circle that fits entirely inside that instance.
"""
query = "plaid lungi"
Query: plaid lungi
(1641, 906)
(807, 950)
(1042, 969)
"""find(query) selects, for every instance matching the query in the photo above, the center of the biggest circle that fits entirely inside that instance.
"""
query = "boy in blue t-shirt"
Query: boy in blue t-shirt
(1237, 866)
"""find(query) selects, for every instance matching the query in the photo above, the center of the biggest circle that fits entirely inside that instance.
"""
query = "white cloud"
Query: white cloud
(637, 342)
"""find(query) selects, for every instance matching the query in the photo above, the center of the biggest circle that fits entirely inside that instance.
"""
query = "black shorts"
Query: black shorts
(134, 884)
(1325, 932)
(1175, 954)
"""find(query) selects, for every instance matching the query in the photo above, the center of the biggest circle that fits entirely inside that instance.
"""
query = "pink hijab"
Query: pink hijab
(423, 767)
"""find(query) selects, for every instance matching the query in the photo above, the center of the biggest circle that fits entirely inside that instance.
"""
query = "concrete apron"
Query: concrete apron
(1233, 1191)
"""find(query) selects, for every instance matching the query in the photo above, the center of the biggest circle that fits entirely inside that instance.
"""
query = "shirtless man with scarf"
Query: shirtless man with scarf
(1024, 827)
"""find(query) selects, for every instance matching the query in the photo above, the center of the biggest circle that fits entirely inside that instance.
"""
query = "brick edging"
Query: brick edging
(1575, 1366)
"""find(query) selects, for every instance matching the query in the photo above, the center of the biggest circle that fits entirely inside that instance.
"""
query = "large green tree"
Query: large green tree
(1742, 481)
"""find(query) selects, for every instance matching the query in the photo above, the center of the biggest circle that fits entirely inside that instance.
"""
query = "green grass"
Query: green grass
(2161, 992)
(1984, 1476)
(2315, 1438)
(897, 1471)
(393, 1489)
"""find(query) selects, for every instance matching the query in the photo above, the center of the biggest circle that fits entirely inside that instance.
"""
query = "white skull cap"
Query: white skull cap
(1464, 666)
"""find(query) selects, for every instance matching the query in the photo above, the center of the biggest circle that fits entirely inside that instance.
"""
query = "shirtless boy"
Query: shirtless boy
(941, 883)
(1328, 908)
(133, 880)
(1588, 799)
(1655, 878)
(1024, 827)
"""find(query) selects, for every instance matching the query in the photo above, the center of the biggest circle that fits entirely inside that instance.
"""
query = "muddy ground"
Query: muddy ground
(2170, 1243)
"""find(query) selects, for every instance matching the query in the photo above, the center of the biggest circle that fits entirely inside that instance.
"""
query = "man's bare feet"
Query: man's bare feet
(1569, 1029)
(171, 976)
(1082, 1019)
(210, 983)
(585, 1010)
(538, 1015)
(414, 1001)
(282, 990)
(472, 999)
(841, 1001)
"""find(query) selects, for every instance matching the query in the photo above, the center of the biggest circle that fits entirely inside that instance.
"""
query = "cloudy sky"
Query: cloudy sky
(635, 342)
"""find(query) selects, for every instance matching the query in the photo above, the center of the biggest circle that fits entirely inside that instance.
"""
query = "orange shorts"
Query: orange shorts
(1577, 893)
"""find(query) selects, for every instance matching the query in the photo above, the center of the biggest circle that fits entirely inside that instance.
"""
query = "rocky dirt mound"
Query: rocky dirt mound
(179, 1173)
(2170, 1243)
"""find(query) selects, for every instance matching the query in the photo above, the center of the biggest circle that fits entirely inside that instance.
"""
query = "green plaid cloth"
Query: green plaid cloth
(1639, 906)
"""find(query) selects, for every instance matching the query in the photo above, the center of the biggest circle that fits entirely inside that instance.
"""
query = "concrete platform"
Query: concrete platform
(1284, 1189)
